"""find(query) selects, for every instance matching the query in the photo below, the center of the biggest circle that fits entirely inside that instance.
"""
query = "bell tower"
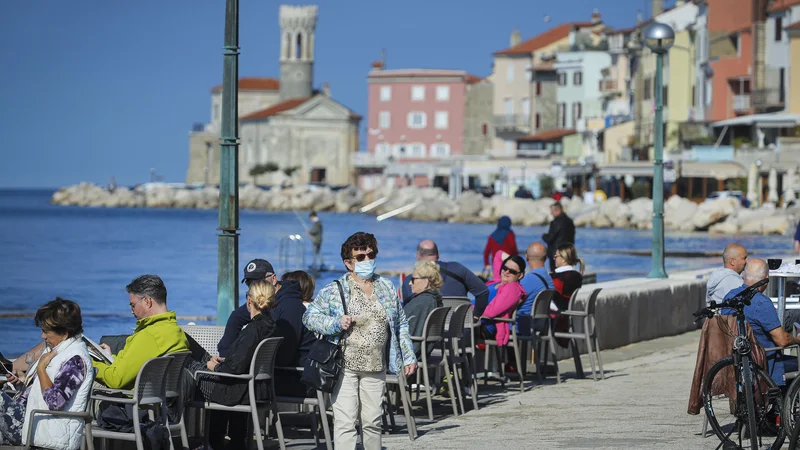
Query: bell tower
(298, 24)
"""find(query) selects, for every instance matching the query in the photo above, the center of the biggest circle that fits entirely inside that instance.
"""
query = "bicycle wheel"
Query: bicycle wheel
(728, 417)
(747, 387)
(791, 407)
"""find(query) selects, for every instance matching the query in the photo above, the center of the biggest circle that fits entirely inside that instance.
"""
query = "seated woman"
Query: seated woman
(425, 283)
(227, 391)
(505, 296)
(566, 279)
(61, 380)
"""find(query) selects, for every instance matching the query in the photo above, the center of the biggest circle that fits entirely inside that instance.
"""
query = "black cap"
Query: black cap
(257, 269)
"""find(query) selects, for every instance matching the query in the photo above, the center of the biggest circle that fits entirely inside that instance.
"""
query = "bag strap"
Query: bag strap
(544, 282)
(341, 294)
(452, 275)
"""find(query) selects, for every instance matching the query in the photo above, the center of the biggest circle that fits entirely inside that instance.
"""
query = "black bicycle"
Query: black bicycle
(754, 412)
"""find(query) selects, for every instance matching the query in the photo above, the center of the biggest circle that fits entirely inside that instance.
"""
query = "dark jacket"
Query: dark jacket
(228, 391)
(288, 316)
(457, 283)
(238, 318)
(562, 230)
(419, 306)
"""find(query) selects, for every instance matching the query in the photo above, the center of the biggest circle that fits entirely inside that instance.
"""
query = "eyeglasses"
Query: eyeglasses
(511, 271)
(133, 305)
(362, 256)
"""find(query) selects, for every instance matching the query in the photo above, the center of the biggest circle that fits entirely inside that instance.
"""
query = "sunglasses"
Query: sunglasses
(511, 271)
(413, 278)
(361, 257)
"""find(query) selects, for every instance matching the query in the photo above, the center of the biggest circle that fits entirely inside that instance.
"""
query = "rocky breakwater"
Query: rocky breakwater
(721, 216)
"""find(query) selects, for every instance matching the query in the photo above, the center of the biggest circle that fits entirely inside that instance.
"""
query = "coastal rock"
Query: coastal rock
(641, 213)
(349, 199)
(714, 211)
(779, 225)
(726, 228)
(469, 207)
(678, 213)
(521, 212)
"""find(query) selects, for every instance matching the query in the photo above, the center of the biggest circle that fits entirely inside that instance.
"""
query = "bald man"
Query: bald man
(728, 277)
(763, 319)
(457, 279)
(537, 278)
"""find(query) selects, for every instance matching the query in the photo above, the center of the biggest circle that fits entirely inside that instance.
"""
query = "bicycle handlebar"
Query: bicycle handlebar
(737, 302)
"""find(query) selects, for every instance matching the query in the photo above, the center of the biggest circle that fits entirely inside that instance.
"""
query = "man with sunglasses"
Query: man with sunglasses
(457, 279)
(157, 333)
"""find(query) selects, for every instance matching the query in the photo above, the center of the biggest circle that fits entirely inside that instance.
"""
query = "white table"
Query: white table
(781, 278)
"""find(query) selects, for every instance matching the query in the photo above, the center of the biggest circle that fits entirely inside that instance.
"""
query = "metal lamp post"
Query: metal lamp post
(659, 38)
(228, 239)
(524, 166)
(759, 186)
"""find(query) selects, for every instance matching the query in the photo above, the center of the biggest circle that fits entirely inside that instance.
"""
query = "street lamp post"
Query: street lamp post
(659, 38)
(206, 169)
(759, 186)
(228, 239)
(524, 166)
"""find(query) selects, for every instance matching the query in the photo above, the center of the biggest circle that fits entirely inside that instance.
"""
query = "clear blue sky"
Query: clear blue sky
(91, 89)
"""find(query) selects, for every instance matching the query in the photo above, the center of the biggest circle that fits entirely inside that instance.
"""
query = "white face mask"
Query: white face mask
(365, 269)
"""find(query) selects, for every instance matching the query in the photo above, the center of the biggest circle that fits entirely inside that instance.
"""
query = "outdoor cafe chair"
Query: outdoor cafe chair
(317, 403)
(589, 333)
(501, 353)
(455, 337)
(261, 370)
(432, 338)
(149, 392)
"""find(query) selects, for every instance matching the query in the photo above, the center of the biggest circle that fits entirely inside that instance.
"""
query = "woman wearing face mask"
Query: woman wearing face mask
(61, 380)
(374, 318)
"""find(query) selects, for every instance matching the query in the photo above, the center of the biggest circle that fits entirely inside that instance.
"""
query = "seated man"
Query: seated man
(763, 318)
(535, 281)
(157, 333)
(727, 277)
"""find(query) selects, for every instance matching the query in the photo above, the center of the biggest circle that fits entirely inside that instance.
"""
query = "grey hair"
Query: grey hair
(755, 272)
(148, 286)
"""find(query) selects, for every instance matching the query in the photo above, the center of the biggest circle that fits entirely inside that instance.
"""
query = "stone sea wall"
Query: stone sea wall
(721, 216)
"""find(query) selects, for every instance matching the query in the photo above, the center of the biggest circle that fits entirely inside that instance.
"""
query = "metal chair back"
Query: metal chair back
(263, 365)
(458, 319)
(175, 383)
(151, 382)
(434, 324)
(208, 336)
(541, 304)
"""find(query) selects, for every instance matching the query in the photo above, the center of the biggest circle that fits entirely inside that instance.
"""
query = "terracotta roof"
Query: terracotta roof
(254, 84)
(781, 5)
(794, 26)
(551, 135)
(544, 39)
(275, 109)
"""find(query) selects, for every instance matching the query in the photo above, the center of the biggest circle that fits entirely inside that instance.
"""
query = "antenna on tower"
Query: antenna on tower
(383, 57)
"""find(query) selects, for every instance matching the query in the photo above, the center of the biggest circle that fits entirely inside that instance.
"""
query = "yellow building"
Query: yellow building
(794, 71)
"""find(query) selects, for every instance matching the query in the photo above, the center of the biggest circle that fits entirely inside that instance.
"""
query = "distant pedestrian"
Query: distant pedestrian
(797, 239)
(562, 231)
(502, 239)
(316, 238)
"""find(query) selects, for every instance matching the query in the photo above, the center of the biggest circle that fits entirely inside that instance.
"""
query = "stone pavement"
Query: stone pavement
(641, 404)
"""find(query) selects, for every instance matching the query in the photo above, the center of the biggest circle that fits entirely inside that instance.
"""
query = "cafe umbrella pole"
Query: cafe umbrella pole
(228, 238)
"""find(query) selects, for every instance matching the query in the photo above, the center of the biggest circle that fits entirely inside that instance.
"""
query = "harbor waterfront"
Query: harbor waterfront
(90, 254)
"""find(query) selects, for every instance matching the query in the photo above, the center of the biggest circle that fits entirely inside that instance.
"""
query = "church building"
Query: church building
(304, 132)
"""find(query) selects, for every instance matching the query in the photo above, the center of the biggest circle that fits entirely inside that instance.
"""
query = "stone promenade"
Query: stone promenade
(641, 404)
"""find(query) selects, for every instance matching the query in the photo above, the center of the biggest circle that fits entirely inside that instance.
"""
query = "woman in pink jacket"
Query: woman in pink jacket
(505, 295)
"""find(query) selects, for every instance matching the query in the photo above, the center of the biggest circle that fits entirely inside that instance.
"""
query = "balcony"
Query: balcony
(512, 123)
(767, 98)
(608, 87)
(741, 102)
(365, 160)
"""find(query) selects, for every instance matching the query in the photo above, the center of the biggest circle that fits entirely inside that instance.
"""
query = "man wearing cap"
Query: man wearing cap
(287, 314)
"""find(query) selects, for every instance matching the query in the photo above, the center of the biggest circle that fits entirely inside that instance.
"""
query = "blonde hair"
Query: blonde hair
(262, 294)
(569, 254)
(430, 271)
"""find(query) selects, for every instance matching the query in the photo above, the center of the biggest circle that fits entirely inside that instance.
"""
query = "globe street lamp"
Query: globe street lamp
(659, 38)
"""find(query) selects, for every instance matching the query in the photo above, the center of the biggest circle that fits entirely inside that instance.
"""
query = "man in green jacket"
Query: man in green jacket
(157, 333)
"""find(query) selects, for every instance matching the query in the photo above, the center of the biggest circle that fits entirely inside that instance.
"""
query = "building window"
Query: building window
(510, 72)
(418, 93)
(509, 146)
(442, 93)
(384, 120)
(485, 129)
(386, 93)
(416, 120)
(441, 120)
(576, 113)
(538, 88)
(216, 112)
(694, 96)
(782, 85)
(529, 73)
(562, 79)
(664, 95)
(561, 115)
(416, 150)
(526, 107)
(440, 150)
(509, 106)
(648, 89)
(538, 121)
(778, 28)
(735, 42)
(577, 78)
(382, 149)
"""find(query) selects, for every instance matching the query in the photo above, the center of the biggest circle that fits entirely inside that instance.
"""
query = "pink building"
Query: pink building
(418, 117)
